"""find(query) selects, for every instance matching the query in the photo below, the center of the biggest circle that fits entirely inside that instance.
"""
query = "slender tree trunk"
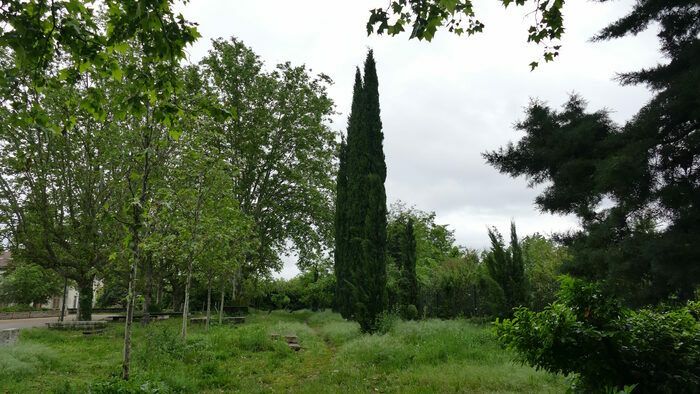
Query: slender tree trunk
(221, 304)
(314, 299)
(177, 295)
(129, 318)
(65, 296)
(131, 295)
(148, 291)
(186, 305)
(233, 290)
(159, 292)
(208, 302)
(137, 210)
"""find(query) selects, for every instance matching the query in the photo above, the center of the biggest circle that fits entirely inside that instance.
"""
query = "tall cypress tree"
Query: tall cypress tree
(373, 279)
(355, 206)
(361, 258)
(340, 268)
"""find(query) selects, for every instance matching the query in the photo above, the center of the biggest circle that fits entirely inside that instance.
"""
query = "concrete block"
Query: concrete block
(8, 336)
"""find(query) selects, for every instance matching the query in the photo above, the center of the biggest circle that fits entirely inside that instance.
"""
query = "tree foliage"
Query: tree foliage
(70, 39)
(635, 189)
(634, 186)
(505, 265)
(279, 148)
(27, 283)
(425, 17)
(55, 185)
(543, 261)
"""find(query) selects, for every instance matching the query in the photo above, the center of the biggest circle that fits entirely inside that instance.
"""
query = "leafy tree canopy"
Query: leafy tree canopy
(425, 18)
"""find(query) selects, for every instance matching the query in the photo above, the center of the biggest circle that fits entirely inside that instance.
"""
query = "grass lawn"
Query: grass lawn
(426, 356)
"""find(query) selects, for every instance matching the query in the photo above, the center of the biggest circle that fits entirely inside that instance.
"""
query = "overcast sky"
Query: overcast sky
(444, 103)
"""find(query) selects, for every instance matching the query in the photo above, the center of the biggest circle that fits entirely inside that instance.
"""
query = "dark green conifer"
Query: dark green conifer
(362, 263)
(373, 279)
(340, 268)
(355, 205)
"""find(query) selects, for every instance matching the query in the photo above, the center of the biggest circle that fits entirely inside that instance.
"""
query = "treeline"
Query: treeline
(177, 195)
(450, 281)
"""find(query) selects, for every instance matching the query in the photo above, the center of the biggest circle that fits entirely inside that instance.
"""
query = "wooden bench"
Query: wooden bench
(233, 319)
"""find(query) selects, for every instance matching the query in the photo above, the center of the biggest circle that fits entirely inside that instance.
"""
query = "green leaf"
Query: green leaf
(174, 133)
(121, 47)
(117, 73)
(64, 74)
(84, 67)
(152, 97)
(450, 5)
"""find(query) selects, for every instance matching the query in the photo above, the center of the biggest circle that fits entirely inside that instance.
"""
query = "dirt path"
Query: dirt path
(330, 345)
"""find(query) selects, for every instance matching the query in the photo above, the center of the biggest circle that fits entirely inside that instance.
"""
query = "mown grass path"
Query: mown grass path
(413, 357)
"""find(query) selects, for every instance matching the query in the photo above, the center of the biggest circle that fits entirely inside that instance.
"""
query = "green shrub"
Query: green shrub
(607, 345)
(19, 308)
(410, 312)
(386, 322)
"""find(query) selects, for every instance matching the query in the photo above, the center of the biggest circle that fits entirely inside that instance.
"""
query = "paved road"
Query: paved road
(39, 322)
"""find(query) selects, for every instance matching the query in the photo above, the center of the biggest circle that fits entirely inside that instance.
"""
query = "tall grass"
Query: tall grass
(423, 356)
(25, 359)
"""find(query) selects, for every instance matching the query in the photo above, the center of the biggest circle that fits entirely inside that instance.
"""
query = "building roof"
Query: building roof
(5, 259)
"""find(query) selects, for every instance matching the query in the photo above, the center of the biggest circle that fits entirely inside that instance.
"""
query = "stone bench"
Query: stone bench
(292, 341)
(215, 320)
(122, 318)
(8, 336)
(84, 326)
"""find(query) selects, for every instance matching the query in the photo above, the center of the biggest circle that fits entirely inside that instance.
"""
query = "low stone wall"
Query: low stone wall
(28, 315)
(8, 336)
